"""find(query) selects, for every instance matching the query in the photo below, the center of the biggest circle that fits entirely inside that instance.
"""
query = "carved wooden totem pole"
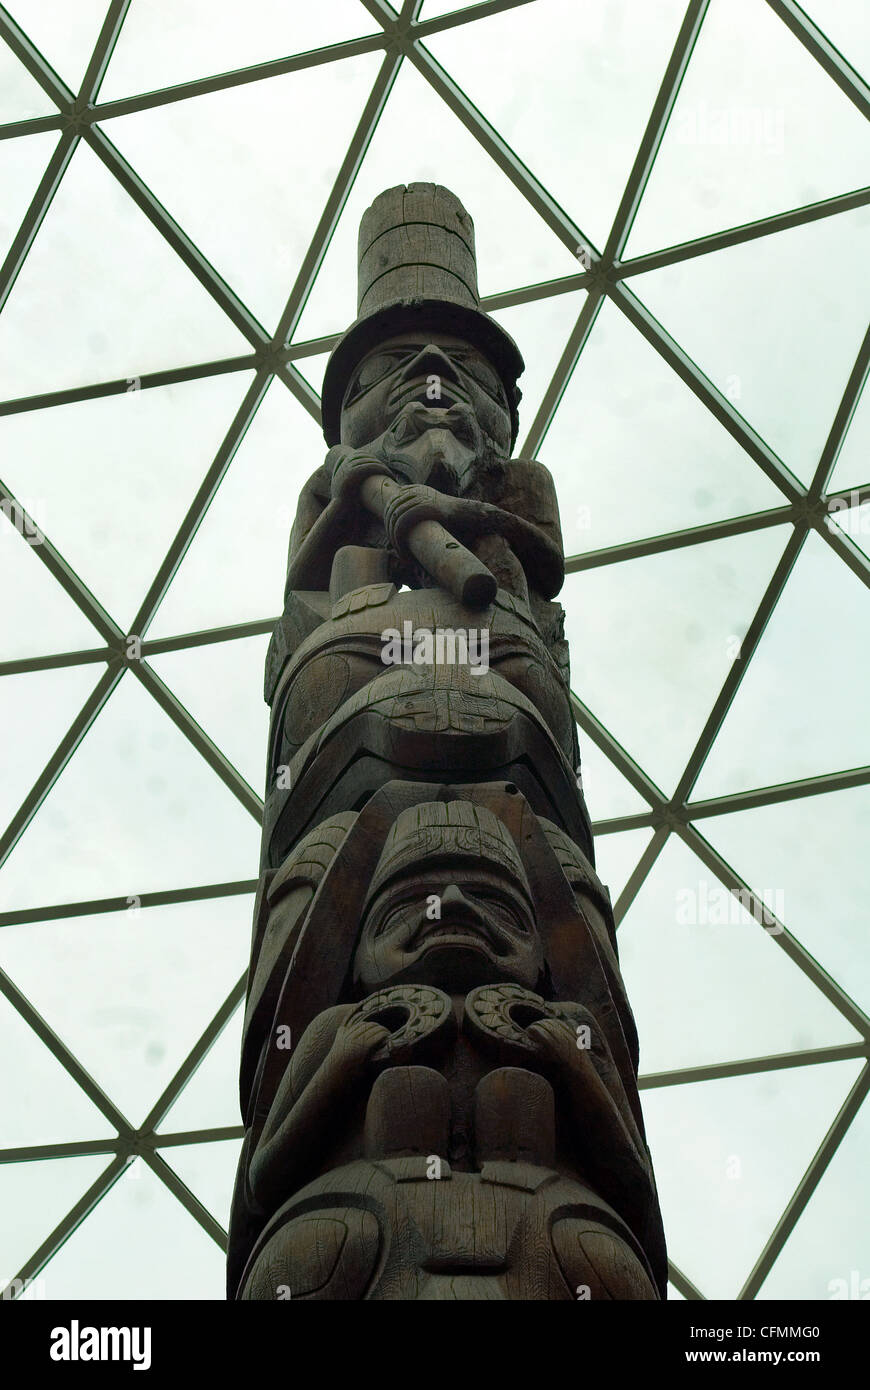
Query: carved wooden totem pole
(438, 1077)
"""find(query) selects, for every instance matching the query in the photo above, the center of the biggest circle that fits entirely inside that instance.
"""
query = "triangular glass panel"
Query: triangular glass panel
(601, 66)
(221, 685)
(635, 453)
(139, 1214)
(35, 1198)
(844, 22)
(669, 626)
(37, 709)
(728, 1155)
(211, 1097)
(708, 983)
(758, 128)
(825, 1257)
(617, 856)
(209, 1170)
(514, 246)
(116, 476)
(247, 527)
(41, 1103)
(21, 96)
(541, 329)
(65, 34)
(22, 165)
(213, 161)
(130, 993)
(775, 336)
(313, 368)
(823, 891)
(100, 276)
(165, 42)
(801, 708)
(137, 809)
(43, 618)
(852, 468)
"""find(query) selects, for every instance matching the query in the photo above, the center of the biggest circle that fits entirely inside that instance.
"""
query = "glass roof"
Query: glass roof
(671, 218)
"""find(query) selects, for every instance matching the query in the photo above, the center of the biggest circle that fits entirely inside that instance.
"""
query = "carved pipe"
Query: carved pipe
(442, 556)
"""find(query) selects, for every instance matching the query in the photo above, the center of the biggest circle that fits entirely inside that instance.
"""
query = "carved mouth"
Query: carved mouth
(451, 940)
(470, 936)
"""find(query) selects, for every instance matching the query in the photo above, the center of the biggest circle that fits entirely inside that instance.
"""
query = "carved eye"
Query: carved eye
(373, 370)
(503, 911)
(479, 369)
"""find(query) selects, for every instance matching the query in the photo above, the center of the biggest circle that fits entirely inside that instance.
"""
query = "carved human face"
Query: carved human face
(457, 927)
(434, 370)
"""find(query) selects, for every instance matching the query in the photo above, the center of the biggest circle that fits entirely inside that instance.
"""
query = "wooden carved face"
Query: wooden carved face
(445, 376)
(455, 925)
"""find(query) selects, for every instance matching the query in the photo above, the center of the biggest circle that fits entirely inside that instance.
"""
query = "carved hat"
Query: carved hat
(447, 832)
(417, 272)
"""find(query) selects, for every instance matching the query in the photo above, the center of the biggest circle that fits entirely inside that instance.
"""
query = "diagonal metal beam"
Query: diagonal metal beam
(196, 735)
(188, 1200)
(555, 216)
(683, 1284)
(103, 50)
(201, 502)
(842, 420)
(777, 931)
(851, 554)
(577, 340)
(751, 1066)
(719, 406)
(59, 759)
(338, 196)
(655, 130)
(675, 540)
(622, 761)
(820, 785)
(807, 1186)
(216, 1135)
(83, 1148)
(71, 395)
(28, 54)
(238, 77)
(35, 215)
(738, 668)
(54, 912)
(94, 1092)
(63, 572)
(208, 1037)
(639, 874)
(190, 255)
(824, 52)
(737, 236)
(34, 125)
(70, 1223)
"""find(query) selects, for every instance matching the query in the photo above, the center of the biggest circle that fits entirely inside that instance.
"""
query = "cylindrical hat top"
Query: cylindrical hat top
(416, 242)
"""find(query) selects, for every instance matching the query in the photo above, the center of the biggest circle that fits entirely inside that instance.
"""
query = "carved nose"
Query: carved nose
(453, 896)
(431, 360)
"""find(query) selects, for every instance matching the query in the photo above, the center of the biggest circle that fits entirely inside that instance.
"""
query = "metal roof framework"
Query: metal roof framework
(401, 37)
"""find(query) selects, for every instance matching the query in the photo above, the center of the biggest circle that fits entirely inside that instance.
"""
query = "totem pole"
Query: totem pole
(439, 1062)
